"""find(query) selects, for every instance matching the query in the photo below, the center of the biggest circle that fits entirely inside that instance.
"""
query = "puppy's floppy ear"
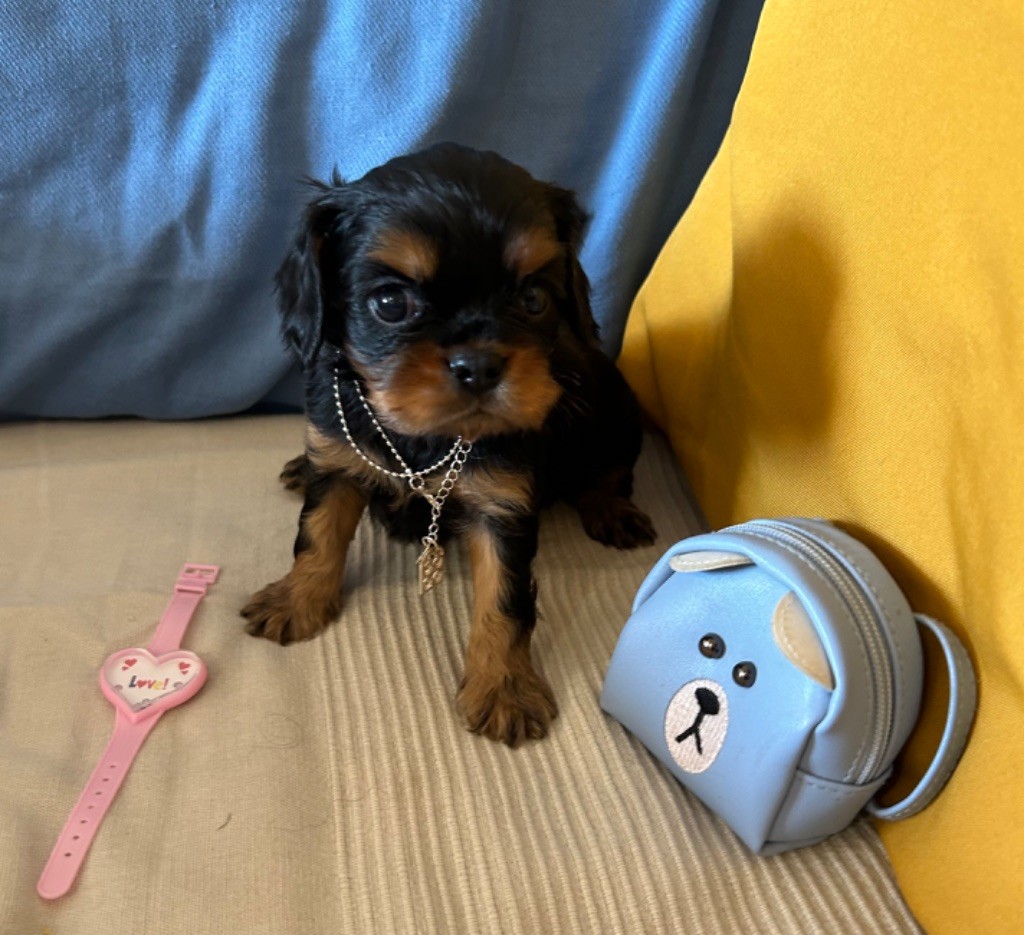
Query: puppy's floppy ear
(570, 220)
(300, 292)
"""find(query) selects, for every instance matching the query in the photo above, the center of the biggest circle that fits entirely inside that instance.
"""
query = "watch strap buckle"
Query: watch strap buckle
(195, 578)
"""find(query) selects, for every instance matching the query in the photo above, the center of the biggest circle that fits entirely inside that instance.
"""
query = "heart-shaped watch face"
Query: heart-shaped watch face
(140, 684)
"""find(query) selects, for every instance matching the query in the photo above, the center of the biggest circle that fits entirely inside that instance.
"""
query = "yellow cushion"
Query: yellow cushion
(836, 328)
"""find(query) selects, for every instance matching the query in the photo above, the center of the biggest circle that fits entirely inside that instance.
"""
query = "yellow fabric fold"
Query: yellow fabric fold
(836, 328)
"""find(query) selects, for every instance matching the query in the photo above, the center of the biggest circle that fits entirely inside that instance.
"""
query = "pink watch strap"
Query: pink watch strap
(189, 590)
(131, 728)
(73, 844)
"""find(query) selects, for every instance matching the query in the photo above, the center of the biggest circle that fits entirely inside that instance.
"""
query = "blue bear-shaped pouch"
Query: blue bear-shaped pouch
(775, 668)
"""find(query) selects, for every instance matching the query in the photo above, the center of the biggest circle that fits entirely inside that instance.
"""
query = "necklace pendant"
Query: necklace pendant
(430, 565)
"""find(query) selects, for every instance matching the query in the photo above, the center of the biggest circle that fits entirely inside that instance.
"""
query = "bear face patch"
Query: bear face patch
(697, 718)
(696, 723)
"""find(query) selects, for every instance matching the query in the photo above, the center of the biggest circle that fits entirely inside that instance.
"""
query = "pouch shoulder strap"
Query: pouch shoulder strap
(963, 699)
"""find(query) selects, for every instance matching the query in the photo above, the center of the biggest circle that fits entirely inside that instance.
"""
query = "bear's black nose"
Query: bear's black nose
(707, 700)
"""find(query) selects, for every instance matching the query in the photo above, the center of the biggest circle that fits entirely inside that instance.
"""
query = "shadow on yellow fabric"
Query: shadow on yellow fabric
(836, 329)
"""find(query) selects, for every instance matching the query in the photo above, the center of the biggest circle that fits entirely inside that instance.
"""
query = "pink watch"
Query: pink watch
(141, 684)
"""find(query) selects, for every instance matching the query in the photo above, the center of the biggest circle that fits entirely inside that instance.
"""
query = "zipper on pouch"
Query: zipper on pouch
(852, 593)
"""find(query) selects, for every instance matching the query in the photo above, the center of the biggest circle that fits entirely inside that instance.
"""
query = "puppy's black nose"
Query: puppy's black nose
(707, 701)
(477, 370)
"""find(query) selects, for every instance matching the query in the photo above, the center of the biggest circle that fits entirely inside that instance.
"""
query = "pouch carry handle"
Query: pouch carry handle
(963, 700)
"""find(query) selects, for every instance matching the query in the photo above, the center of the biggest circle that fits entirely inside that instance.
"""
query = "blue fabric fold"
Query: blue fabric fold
(150, 157)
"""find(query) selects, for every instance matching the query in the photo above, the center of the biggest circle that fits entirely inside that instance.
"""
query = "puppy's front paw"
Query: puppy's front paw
(293, 475)
(278, 613)
(616, 521)
(507, 706)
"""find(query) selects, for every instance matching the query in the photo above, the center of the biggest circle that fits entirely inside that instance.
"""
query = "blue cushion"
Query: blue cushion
(150, 157)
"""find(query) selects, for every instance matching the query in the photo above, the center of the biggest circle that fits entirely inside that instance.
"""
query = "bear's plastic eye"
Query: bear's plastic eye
(712, 646)
(744, 674)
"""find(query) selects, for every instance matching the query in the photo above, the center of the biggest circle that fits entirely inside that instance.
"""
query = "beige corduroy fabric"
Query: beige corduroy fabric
(328, 788)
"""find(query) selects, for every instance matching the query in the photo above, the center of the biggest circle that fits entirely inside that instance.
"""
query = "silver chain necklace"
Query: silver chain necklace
(431, 560)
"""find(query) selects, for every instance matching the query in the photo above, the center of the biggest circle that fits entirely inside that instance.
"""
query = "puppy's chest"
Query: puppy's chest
(481, 490)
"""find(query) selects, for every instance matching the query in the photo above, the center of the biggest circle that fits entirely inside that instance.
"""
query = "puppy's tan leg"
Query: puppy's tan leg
(303, 602)
(501, 695)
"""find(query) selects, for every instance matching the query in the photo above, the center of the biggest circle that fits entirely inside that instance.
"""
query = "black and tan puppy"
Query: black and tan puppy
(445, 287)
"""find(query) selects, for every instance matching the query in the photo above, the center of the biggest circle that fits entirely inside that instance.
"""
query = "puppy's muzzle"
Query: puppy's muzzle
(477, 370)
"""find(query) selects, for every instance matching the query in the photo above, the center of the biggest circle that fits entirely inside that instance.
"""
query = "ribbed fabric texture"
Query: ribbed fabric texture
(329, 788)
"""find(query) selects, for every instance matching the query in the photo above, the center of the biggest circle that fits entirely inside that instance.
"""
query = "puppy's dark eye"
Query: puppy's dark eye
(394, 305)
(712, 646)
(744, 674)
(535, 300)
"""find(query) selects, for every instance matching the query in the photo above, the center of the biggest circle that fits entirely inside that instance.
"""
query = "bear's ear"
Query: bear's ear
(796, 636)
(707, 561)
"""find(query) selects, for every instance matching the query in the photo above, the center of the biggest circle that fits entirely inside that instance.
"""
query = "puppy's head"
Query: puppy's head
(449, 280)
